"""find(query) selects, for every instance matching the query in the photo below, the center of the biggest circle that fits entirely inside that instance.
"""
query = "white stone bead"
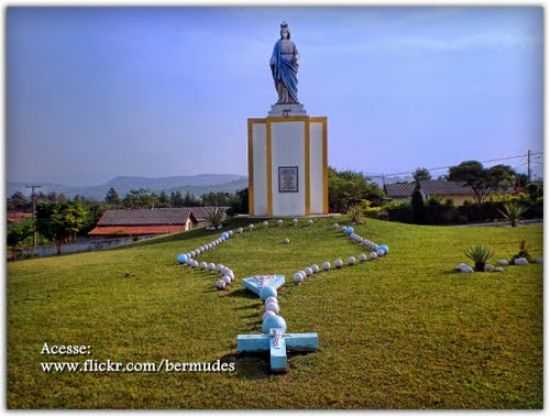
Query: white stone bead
(308, 271)
(267, 314)
(271, 299)
(338, 263)
(315, 268)
(211, 267)
(273, 307)
(203, 265)
(298, 278)
(362, 257)
(326, 266)
(227, 280)
(351, 260)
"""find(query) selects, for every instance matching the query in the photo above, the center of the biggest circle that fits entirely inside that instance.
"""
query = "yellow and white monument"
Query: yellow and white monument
(287, 150)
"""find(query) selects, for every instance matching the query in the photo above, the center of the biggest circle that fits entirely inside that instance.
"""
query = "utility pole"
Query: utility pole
(528, 166)
(33, 197)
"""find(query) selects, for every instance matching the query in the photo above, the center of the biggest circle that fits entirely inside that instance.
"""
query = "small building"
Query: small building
(458, 192)
(144, 222)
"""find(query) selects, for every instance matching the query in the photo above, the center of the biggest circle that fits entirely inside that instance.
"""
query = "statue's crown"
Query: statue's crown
(284, 25)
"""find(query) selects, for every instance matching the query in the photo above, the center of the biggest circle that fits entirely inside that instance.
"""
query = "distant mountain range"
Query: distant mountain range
(197, 185)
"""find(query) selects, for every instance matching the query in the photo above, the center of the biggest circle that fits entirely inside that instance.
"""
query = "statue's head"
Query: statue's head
(285, 33)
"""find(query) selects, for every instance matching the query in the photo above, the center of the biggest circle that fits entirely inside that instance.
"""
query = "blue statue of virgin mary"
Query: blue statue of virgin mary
(284, 67)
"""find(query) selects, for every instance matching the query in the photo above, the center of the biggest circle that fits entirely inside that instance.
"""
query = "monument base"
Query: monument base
(287, 110)
(288, 166)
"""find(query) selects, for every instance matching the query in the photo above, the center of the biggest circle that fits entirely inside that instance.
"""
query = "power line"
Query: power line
(385, 175)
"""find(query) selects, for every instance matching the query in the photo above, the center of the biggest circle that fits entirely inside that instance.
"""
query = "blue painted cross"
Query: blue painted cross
(277, 342)
(257, 283)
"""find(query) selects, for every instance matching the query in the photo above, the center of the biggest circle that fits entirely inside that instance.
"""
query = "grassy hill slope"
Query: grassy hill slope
(400, 332)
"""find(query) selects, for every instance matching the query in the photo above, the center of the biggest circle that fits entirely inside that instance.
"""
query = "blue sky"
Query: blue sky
(94, 93)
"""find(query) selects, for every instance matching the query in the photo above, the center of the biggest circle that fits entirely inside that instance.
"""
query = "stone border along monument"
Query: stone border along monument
(287, 150)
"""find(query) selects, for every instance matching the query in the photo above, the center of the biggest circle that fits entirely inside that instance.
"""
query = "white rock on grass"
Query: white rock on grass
(250, 227)
(464, 268)
(203, 265)
(220, 284)
(315, 268)
(372, 256)
(227, 280)
(266, 223)
(310, 222)
(240, 230)
(298, 278)
(521, 261)
(286, 241)
(211, 267)
(280, 222)
(499, 269)
(489, 268)
(326, 266)
(338, 263)
(295, 221)
(362, 257)
(351, 260)
(337, 226)
(308, 271)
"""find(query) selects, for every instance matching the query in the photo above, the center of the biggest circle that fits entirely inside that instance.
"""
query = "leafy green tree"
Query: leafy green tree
(60, 222)
(139, 198)
(19, 202)
(111, 197)
(19, 232)
(422, 174)
(239, 203)
(163, 200)
(347, 188)
(190, 200)
(483, 181)
(176, 200)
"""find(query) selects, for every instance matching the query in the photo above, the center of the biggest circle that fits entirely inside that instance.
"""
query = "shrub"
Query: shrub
(512, 212)
(215, 216)
(355, 213)
(479, 254)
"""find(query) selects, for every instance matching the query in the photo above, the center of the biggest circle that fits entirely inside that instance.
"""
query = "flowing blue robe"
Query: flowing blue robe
(285, 69)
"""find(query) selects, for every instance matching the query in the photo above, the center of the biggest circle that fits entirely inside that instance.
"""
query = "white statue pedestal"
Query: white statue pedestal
(287, 166)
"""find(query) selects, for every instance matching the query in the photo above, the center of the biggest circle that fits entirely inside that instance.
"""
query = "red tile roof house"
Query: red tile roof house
(145, 222)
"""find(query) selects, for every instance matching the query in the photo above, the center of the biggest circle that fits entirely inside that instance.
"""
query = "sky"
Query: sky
(94, 93)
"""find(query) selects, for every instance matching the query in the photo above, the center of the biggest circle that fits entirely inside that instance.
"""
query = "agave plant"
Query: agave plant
(355, 213)
(512, 212)
(479, 255)
(215, 216)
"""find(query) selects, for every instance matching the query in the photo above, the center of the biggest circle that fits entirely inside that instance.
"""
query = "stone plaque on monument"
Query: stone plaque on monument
(287, 150)
(288, 179)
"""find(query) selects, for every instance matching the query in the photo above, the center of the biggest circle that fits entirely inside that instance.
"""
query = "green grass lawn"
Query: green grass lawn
(400, 332)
